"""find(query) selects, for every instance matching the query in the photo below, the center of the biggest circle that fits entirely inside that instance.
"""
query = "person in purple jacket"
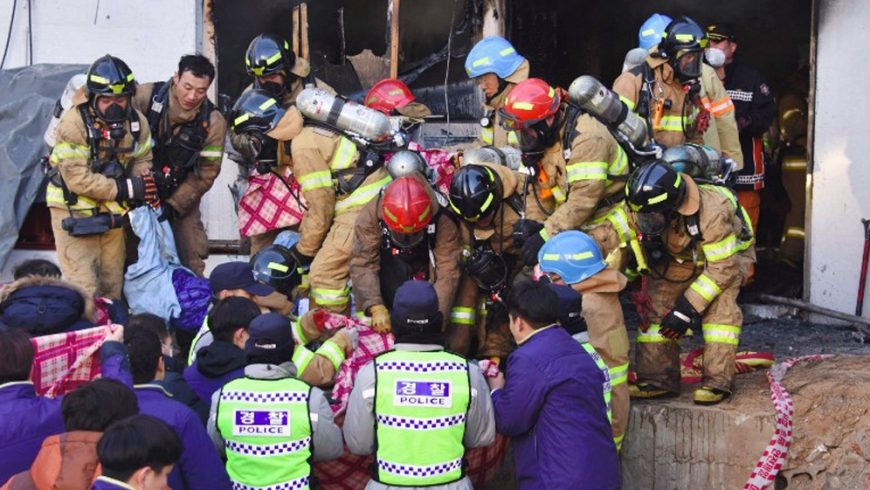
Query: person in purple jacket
(224, 359)
(138, 452)
(551, 403)
(200, 466)
(26, 419)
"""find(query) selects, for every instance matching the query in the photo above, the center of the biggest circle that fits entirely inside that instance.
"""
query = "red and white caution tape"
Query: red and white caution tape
(774, 456)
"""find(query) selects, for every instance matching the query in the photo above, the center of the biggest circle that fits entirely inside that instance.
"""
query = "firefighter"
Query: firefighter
(487, 200)
(755, 110)
(403, 234)
(578, 168)
(671, 101)
(336, 182)
(188, 133)
(722, 131)
(392, 97)
(573, 258)
(281, 75)
(698, 244)
(497, 68)
(100, 168)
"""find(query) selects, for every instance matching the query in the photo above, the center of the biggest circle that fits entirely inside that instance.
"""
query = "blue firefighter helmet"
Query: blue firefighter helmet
(493, 54)
(573, 255)
(651, 30)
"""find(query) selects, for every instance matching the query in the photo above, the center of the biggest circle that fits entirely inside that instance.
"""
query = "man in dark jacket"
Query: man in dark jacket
(224, 359)
(173, 379)
(754, 109)
(45, 305)
(138, 452)
(20, 436)
(552, 404)
(199, 467)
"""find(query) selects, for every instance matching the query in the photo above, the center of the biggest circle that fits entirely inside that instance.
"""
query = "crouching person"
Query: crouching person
(552, 404)
(270, 424)
(418, 407)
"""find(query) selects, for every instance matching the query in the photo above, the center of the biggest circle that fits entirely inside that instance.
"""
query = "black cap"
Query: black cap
(415, 310)
(270, 339)
(570, 308)
(718, 32)
(237, 275)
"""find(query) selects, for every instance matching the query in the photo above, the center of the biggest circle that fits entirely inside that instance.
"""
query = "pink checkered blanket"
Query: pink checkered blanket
(65, 361)
(269, 205)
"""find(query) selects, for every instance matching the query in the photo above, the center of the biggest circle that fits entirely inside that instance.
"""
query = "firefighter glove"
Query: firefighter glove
(137, 190)
(304, 260)
(380, 318)
(168, 212)
(525, 229)
(680, 319)
(531, 247)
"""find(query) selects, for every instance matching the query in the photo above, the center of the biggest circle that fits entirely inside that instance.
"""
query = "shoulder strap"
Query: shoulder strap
(643, 100)
(572, 113)
(156, 104)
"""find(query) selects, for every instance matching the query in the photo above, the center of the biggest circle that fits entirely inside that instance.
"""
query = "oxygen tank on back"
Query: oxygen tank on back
(598, 100)
(507, 156)
(344, 115)
(62, 105)
(702, 163)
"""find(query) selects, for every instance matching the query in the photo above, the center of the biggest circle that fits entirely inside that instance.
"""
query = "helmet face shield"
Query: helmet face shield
(688, 64)
(536, 137)
(652, 223)
(406, 241)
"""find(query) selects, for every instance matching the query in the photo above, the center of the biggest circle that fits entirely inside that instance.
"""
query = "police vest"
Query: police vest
(267, 429)
(421, 405)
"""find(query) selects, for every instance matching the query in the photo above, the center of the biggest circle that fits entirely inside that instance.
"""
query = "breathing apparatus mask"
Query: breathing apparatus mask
(488, 270)
(687, 64)
(266, 150)
(114, 117)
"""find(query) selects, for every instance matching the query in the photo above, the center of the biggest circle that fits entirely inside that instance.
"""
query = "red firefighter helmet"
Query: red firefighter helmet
(531, 101)
(389, 94)
(406, 207)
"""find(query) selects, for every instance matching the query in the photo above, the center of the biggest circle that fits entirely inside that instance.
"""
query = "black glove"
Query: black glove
(684, 316)
(531, 247)
(169, 213)
(136, 191)
(524, 229)
(304, 260)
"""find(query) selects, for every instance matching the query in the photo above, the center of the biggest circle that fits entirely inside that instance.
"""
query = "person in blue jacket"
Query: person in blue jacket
(26, 418)
(138, 452)
(200, 467)
(551, 403)
(223, 360)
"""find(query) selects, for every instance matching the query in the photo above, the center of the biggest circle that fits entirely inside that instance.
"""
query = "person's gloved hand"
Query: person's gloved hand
(136, 191)
(525, 229)
(531, 247)
(304, 260)
(380, 318)
(683, 317)
(352, 339)
(168, 212)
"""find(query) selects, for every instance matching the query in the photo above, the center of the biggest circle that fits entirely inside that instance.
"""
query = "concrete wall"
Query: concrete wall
(841, 170)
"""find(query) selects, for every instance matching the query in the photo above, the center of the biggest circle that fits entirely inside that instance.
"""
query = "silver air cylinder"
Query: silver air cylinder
(61, 106)
(507, 156)
(598, 100)
(344, 115)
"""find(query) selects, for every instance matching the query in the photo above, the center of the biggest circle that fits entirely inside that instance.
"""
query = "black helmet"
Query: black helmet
(277, 266)
(655, 187)
(475, 192)
(683, 43)
(256, 112)
(110, 76)
(269, 54)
